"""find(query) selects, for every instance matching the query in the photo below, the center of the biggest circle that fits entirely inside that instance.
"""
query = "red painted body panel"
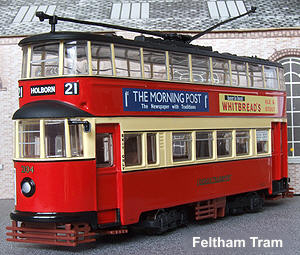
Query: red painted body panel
(65, 186)
(148, 190)
(279, 150)
(109, 179)
(103, 96)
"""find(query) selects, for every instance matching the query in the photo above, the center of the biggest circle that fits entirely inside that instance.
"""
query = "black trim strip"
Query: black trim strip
(56, 160)
(86, 217)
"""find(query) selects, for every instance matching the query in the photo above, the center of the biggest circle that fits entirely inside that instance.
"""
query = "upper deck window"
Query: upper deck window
(76, 58)
(24, 62)
(128, 62)
(44, 60)
(155, 65)
(101, 59)
(201, 69)
(281, 79)
(179, 67)
(239, 74)
(221, 71)
(119, 59)
(255, 75)
(271, 77)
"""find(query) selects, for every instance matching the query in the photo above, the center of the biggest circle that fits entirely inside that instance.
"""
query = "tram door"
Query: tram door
(107, 166)
(279, 150)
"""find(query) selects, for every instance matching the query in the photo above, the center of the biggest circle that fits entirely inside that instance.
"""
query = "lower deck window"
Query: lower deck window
(182, 146)
(224, 143)
(133, 149)
(242, 143)
(55, 138)
(47, 139)
(76, 140)
(204, 145)
(29, 139)
(262, 138)
(151, 148)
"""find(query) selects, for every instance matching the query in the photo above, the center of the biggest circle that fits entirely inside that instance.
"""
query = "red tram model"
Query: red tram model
(147, 133)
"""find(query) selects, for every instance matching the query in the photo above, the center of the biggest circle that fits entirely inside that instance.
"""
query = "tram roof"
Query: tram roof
(49, 109)
(17, 16)
(141, 41)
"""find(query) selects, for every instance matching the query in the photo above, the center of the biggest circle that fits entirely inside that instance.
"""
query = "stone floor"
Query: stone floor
(279, 221)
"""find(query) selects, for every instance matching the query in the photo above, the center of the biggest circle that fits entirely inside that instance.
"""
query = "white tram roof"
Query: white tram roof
(17, 16)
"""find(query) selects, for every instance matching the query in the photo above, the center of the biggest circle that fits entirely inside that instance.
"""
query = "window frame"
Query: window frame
(111, 159)
(128, 61)
(48, 152)
(98, 70)
(21, 145)
(210, 142)
(156, 146)
(140, 155)
(74, 68)
(231, 154)
(268, 142)
(189, 149)
(249, 142)
(42, 61)
(210, 71)
(86, 153)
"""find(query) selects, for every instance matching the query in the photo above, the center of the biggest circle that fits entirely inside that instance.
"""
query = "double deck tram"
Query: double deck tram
(114, 134)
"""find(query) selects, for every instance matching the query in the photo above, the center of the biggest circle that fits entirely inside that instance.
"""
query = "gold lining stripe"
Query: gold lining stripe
(248, 76)
(89, 46)
(211, 70)
(17, 148)
(142, 63)
(191, 67)
(29, 52)
(167, 65)
(61, 58)
(113, 59)
(68, 139)
(263, 76)
(42, 139)
(230, 72)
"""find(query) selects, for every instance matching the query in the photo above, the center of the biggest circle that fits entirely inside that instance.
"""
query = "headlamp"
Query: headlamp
(27, 187)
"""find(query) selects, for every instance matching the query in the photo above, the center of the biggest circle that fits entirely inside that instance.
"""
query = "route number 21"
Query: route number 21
(71, 88)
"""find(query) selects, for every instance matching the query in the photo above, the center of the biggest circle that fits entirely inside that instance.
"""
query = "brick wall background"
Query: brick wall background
(10, 71)
(271, 44)
(294, 174)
